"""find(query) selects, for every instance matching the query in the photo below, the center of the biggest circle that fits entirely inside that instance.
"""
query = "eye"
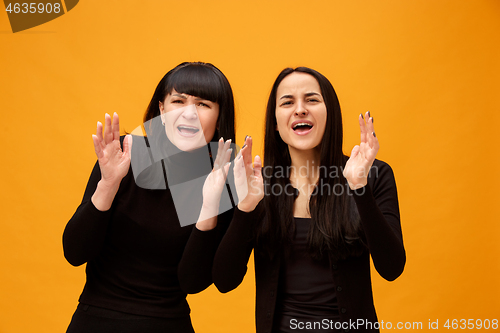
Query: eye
(286, 103)
(314, 100)
(204, 105)
(179, 101)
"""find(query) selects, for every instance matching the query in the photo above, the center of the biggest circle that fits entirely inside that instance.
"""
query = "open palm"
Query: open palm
(216, 180)
(247, 178)
(362, 156)
(113, 162)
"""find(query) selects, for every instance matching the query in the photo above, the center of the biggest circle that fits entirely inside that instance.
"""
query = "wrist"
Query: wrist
(209, 210)
(357, 185)
(247, 208)
(108, 186)
(207, 219)
(104, 195)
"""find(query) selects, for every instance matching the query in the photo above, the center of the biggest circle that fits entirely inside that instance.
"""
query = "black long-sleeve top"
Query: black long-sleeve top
(377, 204)
(139, 258)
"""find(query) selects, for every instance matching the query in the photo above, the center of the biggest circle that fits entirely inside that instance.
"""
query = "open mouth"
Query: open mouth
(185, 130)
(302, 127)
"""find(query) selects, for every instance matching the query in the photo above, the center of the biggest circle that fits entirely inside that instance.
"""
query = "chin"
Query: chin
(303, 145)
(188, 144)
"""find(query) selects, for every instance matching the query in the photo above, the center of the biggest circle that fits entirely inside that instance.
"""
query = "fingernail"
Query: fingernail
(374, 134)
(244, 146)
(221, 139)
(362, 116)
(246, 136)
(372, 119)
(230, 150)
(229, 141)
(239, 157)
(369, 114)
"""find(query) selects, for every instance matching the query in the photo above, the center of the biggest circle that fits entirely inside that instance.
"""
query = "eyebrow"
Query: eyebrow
(307, 95)
(184, 97)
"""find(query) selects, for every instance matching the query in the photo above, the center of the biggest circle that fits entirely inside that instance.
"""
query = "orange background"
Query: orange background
(429, 72)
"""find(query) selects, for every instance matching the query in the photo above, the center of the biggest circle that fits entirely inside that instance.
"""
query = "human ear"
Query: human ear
(162, 113)
(162, 109)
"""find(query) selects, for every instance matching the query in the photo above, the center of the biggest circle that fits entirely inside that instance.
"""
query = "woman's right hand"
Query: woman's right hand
(248, 180)
(113, 162)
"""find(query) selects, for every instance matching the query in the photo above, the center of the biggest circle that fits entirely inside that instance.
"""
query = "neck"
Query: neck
(305, 166)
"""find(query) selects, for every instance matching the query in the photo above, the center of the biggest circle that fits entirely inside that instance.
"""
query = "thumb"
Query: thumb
(354, 152)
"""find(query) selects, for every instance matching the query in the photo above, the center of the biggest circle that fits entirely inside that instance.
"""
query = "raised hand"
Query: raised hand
(248, 180)
(213, 187)
(362, 156)
(216, 180)
(113, 162)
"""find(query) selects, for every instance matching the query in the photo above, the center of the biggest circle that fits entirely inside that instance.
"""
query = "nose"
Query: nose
(301, 109)
(190, 113)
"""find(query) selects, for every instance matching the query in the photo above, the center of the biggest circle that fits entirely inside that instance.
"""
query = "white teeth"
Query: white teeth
(188, 128)
(302, 124)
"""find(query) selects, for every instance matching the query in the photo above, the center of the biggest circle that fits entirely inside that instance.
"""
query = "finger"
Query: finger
(238, 166)
(226, 170)
(97, 147)
(127, 145)
(108, 135)
(257, 166)
(226, 147)
(369, 123)
(99, 134)
(116, 127)
(362, 128)
(225, 161)
(220, 147)
(227, 156)
(376, 145)
(247, 152)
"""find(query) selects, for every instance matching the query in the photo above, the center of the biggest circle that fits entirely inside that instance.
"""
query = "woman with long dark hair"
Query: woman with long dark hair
(313, 215)
(135, 228)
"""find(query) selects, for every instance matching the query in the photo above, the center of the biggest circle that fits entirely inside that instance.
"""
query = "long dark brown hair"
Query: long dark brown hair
(335, 227)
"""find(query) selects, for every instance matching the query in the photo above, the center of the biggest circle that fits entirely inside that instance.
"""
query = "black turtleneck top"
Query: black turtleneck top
(140, 260)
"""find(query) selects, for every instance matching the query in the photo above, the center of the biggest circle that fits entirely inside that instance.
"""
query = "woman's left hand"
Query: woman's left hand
(362, 156)
(216, 180)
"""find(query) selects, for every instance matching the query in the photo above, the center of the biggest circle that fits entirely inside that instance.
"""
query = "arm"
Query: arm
(85, 233)
(376, 198)
(195, 268)
(378, 208)
(231, 259)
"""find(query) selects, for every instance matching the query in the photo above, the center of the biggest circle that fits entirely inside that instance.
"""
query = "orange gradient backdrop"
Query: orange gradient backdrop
(429, 72)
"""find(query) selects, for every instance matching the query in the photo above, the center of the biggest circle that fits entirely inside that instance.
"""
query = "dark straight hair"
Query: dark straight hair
(199, 79)
(335, 227)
